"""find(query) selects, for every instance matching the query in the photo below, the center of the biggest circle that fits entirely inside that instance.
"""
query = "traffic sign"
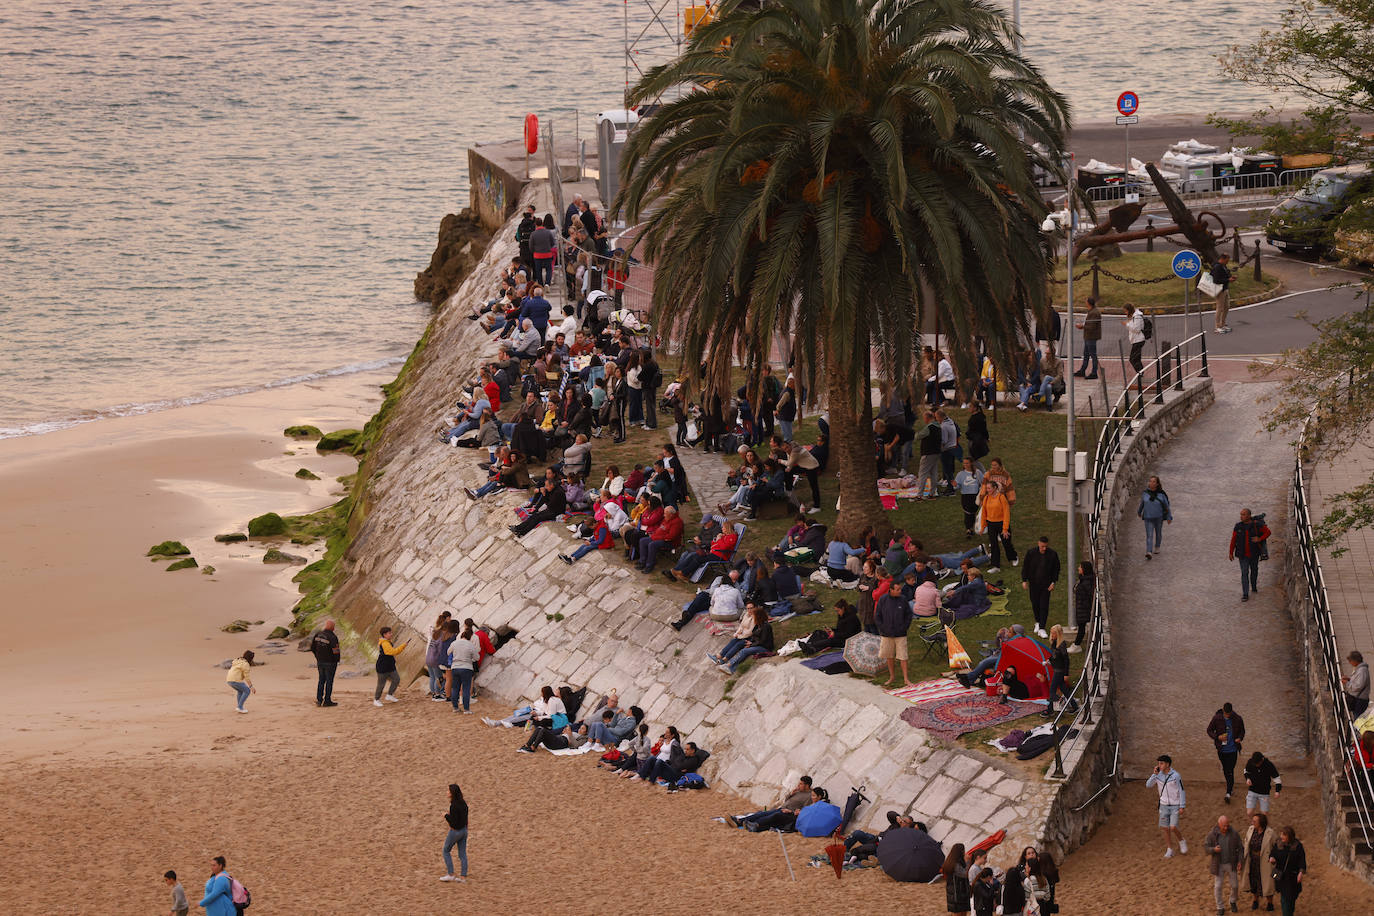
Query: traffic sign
(1187, 264)
(1122, 120)
(1128, 103)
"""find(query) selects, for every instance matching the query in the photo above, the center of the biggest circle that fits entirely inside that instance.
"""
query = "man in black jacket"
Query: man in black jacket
(893, 617)
(324, 645)
(1227, 731)
(550, 504)
(1039, 572)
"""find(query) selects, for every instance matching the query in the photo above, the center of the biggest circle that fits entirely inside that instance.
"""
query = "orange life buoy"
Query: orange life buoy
(531, 134)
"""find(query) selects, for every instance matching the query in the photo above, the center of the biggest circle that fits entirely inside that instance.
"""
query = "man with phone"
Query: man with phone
(1172, 800)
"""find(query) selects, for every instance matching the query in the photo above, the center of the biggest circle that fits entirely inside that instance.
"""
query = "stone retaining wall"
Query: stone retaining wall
(1090, 763)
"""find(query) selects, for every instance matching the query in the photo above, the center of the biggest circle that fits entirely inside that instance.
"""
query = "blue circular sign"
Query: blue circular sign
(1128, 103)
(1187, 264)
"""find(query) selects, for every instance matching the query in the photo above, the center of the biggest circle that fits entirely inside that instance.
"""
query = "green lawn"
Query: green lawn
(1023, 441)
(1166, 296)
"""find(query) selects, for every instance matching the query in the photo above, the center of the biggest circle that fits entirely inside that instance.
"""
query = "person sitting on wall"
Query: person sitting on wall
(550, 504)
(722, 598)
(860, 844)
(832, 638)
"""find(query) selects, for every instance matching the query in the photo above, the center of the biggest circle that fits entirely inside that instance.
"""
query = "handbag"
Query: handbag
(1207, 286)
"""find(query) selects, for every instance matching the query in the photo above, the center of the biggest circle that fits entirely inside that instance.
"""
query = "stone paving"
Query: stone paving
(1183, 642)
(1349, 577)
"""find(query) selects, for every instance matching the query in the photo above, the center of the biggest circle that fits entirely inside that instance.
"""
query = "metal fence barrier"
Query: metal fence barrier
(1356, 778)
(1250, 186)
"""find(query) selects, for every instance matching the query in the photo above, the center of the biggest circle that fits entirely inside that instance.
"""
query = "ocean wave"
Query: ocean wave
(78, 418)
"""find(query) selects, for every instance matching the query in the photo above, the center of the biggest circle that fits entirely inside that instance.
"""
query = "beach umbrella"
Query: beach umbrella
(861, 651)
(836, 853)
(819, 819)
(908, 854)
(987, 844)
(958, 658)
(851, 804)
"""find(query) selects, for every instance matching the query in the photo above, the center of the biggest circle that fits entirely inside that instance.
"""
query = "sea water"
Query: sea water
(201, 198)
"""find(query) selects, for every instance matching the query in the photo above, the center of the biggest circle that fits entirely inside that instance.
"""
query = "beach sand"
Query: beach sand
(123, 756)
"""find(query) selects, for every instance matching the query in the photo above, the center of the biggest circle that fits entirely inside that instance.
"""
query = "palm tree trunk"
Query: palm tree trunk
(851, 452)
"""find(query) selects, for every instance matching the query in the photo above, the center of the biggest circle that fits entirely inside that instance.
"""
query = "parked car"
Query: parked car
(1304, 221)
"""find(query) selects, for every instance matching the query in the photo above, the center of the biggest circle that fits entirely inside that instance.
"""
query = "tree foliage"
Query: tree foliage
(1320, 51)
(1322, 129)
(836, 172)
(1326, 395)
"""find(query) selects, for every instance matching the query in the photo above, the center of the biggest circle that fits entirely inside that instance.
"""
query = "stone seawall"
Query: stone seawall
(422, 546)
(1090, 761)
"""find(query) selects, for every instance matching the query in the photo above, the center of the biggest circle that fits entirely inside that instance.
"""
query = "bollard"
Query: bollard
(1178, 370)
(1259, 277)
(1203, 373)
(1096, 294)
(1150, 239)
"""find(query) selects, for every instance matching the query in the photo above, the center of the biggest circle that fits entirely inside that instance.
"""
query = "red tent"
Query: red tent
(1030, 659)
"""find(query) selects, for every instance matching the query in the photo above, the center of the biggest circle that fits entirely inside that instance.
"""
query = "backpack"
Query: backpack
(239, 894)
(1264, 544)
(1147, 328)
(691, 781)
(655, 377)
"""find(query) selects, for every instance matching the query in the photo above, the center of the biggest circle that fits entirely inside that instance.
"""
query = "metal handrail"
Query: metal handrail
(1356, 777)
(1171, 369)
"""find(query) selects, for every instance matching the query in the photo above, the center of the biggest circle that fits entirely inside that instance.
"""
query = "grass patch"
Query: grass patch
(1160, 297)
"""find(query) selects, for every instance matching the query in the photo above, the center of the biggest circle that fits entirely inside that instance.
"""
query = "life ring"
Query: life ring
(531, 134)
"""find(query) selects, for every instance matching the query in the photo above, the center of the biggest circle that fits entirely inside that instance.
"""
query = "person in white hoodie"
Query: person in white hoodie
(1172, 800)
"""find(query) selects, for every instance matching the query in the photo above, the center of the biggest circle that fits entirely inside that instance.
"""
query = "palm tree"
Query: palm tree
(836, 171)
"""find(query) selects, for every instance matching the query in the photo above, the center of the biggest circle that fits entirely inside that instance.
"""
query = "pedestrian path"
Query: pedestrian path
(706, 473)
(1349, 577)
(1183, 643)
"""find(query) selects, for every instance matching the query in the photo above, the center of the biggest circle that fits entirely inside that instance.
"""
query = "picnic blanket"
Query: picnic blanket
(570, 751)
(998, 608)
(937, 688)
(950, 717)
(827, 658)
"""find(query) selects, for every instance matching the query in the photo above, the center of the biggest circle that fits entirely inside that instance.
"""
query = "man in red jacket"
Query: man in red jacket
(1247, 543)
(668, 533)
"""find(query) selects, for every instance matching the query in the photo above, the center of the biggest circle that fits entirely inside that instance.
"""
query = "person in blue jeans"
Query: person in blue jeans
(1154, 510)
(1247, 542)
(760, 642)
(463, 655)
(457, 818)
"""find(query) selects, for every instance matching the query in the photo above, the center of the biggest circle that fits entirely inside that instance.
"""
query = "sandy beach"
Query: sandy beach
(123, 756)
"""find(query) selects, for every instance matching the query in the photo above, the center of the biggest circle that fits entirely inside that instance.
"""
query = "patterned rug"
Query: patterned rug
(937, 688)
(951, 717)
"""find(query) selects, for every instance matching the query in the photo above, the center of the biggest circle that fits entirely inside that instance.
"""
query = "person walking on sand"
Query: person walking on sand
(457, 818)
(1224, 848)
(1261, 777)
(387, 677)
(1154, 511)
(1227, 731)
(1172, 800)
(1289, 861)
(1247, 542)
(219, 895)
(324, 645)
(240, 680)
(180, 905)
(1256, 874)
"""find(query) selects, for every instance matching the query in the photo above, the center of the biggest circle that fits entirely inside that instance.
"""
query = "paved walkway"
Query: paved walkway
(1350, 577)
(1183, 641)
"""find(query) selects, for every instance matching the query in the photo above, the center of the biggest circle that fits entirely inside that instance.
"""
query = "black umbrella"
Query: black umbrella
(908, 854)
(851, 804)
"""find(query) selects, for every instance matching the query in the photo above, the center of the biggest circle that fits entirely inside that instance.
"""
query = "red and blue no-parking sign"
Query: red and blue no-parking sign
(1128, 103)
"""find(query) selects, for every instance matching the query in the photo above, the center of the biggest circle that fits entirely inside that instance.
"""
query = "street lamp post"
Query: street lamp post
(1067, 363)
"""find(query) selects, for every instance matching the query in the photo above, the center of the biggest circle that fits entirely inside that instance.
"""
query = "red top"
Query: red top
(670, 530)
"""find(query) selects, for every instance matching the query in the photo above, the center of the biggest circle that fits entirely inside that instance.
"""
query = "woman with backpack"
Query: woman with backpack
(958, 893)
(457, 818)
(1154, 510)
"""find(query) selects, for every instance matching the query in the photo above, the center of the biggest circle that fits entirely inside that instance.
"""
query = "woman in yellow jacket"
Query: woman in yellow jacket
(239, 678)
(387, 676)
(997, 517)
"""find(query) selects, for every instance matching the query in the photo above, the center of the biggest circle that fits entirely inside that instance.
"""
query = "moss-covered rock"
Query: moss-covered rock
(279, 633)
(461, 242)
(168, 549)
(238, 626)
(232, 537)
(187, 563)
(307, 474)
(341, 440)
(266, 526)
(207, 570)
(274, 555)
(302, 432)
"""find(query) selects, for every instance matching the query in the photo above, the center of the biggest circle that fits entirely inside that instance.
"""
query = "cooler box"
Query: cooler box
(1262, 164)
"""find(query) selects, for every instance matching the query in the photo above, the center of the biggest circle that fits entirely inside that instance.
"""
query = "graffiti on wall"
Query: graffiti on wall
(492, 189)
